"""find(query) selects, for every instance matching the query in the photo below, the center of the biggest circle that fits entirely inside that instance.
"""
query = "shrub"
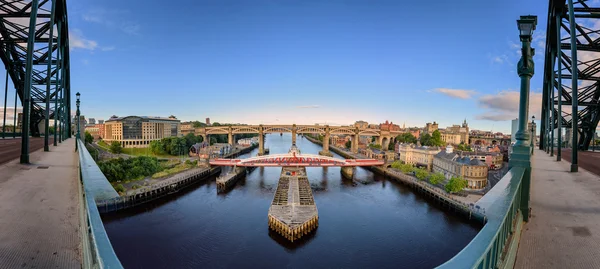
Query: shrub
(421, 174)
(120, 188)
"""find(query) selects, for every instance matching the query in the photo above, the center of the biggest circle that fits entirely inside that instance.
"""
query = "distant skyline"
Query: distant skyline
(303, 62)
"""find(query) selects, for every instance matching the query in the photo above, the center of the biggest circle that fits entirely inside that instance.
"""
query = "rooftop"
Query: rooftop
(115, 118)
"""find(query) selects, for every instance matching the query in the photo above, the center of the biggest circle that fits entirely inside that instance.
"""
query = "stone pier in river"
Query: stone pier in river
(293, 212)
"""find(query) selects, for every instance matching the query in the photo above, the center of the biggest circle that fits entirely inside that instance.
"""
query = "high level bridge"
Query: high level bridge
(291, 159)
(383, 137)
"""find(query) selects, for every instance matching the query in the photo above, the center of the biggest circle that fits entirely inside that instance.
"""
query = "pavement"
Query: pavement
(563, 231)
(588, 160)
(39, 210)
(10, 148)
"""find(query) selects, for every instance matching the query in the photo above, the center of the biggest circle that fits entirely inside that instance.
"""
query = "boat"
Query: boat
(280, 134)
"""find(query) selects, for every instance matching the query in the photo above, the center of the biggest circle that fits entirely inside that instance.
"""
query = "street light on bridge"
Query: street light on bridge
(532, 134)
(521, 155)
(78, 120)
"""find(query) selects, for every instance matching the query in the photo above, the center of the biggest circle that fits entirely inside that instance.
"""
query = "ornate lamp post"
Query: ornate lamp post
(78, 137)
(521, 155)
(532, 134)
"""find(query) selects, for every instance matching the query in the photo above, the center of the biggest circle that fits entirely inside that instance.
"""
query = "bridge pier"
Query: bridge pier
(347, 171)
(294, 134)
(325, 151)
(354, 144)
(261, 141)
(230, 137)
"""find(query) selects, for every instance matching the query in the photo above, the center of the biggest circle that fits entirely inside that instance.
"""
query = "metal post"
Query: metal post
(62, 116)
(6, 99)
(78, 136)
(552, 108)
(27, 85)
(559, 90)
(48, 78)
(574, 101)
(15, 115)
(56, 83)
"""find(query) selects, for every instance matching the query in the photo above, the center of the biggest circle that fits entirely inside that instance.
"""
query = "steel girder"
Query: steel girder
(586, 65)
(15, 34)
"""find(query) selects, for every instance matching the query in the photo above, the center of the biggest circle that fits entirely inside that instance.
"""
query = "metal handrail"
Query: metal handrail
(98, 251)
(502, 203)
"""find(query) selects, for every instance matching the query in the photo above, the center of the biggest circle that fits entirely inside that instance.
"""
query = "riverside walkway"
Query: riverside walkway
(39, 210)
(563, 230)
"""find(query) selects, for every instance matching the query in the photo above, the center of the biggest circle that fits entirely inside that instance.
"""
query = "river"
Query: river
(368, 222)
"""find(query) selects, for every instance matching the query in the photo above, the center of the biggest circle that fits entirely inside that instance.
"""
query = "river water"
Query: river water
(368, 222)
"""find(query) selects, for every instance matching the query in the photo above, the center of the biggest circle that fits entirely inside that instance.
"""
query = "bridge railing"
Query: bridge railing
(97, 251)
(502, 204)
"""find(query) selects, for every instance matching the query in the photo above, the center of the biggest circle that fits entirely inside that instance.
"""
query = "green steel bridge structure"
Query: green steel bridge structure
(34, 39)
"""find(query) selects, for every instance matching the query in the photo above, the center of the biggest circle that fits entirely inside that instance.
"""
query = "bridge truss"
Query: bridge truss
(34, 41)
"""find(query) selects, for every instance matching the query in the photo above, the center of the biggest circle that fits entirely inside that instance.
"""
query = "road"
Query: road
(11, 148)
(588, 160)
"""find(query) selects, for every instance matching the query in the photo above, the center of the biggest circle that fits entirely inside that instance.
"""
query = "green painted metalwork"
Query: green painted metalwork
(502, 206)
(574, 86)
(559, 92)
(5, 99)
(97, 249)
(48, 78)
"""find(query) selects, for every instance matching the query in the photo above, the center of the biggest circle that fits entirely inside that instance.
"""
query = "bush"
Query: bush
(115, 147)
(436, 178)
(421, 174)
(455, 184)
(120, 188)
(89, 138)
(406, 168)
(129, 169)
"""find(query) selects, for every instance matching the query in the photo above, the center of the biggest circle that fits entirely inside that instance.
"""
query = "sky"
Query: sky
(304, 62)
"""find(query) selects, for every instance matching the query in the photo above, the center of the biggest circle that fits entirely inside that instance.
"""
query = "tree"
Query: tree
(348, 144)
(89, 139)
(455, 184)
(421, 174)
(436, 178)
(464, 147)
(391, 146)
(406, 168)
(216, 124)
(436, 139)
(426, 140)
(115, 147)
(406, 138)
(372, 139)
(197, 124)
(375, 146)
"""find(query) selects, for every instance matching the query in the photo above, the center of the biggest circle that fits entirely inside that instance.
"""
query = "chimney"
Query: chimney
(449, 149)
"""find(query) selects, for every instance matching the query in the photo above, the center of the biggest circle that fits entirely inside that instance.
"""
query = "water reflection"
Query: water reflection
(363, 223)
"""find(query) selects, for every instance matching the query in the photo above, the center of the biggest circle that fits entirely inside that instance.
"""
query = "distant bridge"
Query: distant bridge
(305, 160)
(384, 137)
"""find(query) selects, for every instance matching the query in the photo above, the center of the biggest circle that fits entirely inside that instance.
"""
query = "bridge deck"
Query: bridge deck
(39, 210)
(563, 231)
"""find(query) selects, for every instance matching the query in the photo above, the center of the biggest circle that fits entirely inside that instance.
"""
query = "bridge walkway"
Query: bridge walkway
(39, 210)
(563, 231)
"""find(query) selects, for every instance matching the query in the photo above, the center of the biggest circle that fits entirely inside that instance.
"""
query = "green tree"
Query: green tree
(426, 140)
(391, 146)
(406, 168)
(216, 124)
(115, 147)
(464, 147)
(89, 138)
(372, 139)
(436, 178)
(421, 174)
(375, 146)
(436, 139)
(348, 144)
(197, 124)
(455, 184)
(406, 138)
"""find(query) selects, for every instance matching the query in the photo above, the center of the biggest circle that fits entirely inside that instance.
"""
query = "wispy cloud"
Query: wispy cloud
(456, 93)
(505, 105)
(311, 106)
(500, 59)
(110, 19)
(77, 41)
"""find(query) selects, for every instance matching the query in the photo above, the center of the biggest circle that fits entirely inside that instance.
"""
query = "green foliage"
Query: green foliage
(436, 139)
(426, 140)
(133, 168)
(375, 146)
(456, 184)
(405, 168)
(93, 151)
(406, 138)
(50, 129)
(89, 138)
(120, 188)
(372, 139)
(391, 146)
(174, 145)
(320, 137)
(421, 174)
(176, 169)
(115, 147)
(436, 178)
(197, 124)
(348, 144)
(463, 147)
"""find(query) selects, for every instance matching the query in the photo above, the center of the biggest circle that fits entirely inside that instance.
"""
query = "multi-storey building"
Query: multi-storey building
(416, 155)
(453, 139)
(462, 130)
(93, 130)
(430, 127)
(389, 126)
(493, 159)
(452, 164)
(187, 128)
(361, 124)
(139, 131)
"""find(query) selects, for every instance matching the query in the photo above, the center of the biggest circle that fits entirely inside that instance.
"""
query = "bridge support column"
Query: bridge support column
(230, 137)
(294, 134)
(347, 171)
(261, 141)
(354, 144)
(325, 151)
(379, 140)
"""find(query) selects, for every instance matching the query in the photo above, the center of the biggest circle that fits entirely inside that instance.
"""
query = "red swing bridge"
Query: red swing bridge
(291, 159)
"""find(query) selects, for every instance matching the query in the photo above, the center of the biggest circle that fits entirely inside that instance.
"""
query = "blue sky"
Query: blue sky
(303, 62)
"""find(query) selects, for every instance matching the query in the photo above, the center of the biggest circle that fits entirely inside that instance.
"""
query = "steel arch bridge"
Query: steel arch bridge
(34, 41)
(305, 160)
(571, 89)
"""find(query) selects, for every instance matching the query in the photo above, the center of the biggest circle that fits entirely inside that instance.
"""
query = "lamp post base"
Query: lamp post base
(574, 168)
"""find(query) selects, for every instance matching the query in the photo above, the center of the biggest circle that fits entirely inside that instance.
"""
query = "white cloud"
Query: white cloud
(77, 41)
(505, 105)
(310, 106)
(110, 19)
(456, 93)
(109, 48)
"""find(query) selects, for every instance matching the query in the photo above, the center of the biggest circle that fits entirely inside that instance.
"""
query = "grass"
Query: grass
(176, 169)
(135, 151)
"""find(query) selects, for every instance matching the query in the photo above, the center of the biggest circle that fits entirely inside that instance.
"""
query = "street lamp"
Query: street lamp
(78, 137)
(521, 155)
(532, 134)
